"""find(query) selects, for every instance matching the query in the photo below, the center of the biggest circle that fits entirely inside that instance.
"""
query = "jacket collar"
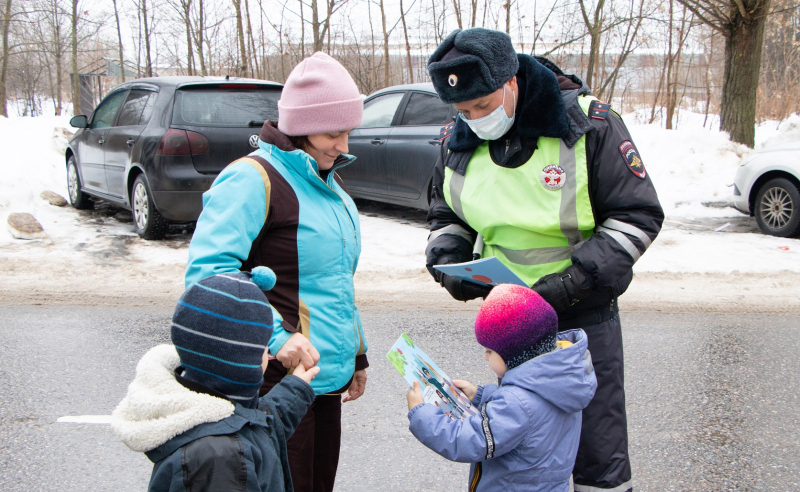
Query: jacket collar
(241, 417)
(272, 139)
(157, 407)
(543, 110)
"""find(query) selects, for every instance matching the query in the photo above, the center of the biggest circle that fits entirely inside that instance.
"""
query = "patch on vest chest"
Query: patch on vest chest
(553, 177)
(632, 159)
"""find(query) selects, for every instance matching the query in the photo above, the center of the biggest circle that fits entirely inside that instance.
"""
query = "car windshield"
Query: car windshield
(229, 107)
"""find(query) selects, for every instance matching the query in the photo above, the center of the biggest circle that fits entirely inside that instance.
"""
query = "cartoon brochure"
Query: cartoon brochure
(437, 388)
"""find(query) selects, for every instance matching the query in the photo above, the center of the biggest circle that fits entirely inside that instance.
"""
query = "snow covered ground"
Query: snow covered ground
(96, 253)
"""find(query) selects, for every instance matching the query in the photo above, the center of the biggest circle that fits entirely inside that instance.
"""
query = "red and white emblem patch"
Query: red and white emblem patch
(553, 177)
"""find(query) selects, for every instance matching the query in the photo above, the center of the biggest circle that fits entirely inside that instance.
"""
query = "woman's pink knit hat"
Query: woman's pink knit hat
(319, 97)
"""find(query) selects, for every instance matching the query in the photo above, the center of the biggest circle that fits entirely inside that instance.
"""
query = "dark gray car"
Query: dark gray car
(397, 145)
(155, 145)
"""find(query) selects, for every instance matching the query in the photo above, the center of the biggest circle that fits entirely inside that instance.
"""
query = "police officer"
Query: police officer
(540, 174)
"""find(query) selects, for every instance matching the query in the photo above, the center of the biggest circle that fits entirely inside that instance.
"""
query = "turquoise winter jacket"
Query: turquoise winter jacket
(274, 209)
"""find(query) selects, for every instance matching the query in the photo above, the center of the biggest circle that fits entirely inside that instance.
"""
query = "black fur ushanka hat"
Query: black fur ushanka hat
(472, 63)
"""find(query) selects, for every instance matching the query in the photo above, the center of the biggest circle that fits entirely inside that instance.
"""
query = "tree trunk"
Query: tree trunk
(474, 12)
(200, 37)
(315, 26)
(148, 70)
(408, 46)
(508, 16)
(58, 52)
(187, 17)
(253, 56)
(457, 9)
(385, 48)
(237, 5)
(743, 47)
(6, 52)
(670, 67)
(119, 39)
(302, 32)
(76, 84)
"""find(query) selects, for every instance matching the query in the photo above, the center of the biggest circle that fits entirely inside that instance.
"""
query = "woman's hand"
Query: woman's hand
(357, 387)
(414, 396)
(468, 388)
(306, 375)
(297, 350)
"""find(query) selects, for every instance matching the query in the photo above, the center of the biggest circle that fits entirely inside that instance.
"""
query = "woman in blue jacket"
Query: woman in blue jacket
(284, 207)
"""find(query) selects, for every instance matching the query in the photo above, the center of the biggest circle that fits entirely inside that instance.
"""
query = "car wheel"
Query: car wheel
(148, 222)
(777, 208)
(77, 198)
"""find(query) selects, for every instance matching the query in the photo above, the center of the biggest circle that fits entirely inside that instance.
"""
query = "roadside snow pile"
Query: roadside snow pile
(772, 133)
(690, 166)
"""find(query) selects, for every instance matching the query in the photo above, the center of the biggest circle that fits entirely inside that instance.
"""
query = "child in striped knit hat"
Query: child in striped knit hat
(193, 407)
(526, 434)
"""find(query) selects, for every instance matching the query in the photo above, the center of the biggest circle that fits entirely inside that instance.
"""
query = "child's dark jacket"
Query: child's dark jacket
(526, 434)
(201, 442)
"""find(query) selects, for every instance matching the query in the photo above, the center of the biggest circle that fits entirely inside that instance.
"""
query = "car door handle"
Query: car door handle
(130, 142)
(435, 142)
(101, 141)
(377, 141)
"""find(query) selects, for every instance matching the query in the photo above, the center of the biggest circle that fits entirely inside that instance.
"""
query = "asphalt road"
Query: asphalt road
(712, 400)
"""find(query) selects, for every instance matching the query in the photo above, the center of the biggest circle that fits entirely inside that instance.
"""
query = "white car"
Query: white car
(767, 186)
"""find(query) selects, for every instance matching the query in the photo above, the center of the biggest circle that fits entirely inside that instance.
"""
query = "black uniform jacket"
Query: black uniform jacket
(619, 186)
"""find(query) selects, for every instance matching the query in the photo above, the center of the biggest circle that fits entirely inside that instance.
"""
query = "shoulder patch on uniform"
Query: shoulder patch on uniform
(446, 130)
(599, 110)
(631, 157)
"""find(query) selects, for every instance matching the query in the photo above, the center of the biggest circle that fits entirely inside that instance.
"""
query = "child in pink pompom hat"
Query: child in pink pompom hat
(526, 436)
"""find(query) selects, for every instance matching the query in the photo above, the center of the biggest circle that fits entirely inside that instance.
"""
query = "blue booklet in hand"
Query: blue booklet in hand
(486, 271)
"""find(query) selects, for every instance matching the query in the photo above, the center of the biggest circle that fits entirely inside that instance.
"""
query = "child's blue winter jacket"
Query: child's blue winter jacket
(526, 434)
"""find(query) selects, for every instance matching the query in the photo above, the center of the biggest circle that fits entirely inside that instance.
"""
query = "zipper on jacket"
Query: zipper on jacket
(476, 478)
(352, 224)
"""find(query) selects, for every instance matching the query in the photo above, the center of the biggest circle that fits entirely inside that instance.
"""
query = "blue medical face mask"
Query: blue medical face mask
(495, 124)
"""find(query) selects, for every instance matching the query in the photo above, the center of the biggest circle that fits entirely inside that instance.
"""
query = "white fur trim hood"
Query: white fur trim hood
(158, 408)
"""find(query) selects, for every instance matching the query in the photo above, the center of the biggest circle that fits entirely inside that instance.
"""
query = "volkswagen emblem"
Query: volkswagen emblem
(254, 141)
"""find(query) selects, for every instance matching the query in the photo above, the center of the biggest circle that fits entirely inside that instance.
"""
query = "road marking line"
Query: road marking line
(85, 419)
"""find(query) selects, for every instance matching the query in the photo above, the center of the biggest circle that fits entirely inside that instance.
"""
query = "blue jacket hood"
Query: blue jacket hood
(563, 377)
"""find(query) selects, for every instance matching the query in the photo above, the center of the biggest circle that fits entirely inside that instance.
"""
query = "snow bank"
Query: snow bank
(690, 166)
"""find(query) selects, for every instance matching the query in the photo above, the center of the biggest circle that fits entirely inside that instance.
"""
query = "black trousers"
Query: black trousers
(314, 447)
(602, 461)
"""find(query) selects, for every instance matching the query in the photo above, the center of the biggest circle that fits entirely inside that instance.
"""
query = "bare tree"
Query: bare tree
(408, 45)
(76, 86)
(741, 22)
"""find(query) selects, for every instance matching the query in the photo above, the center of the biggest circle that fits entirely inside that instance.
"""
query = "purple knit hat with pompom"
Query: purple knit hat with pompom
(517, 323)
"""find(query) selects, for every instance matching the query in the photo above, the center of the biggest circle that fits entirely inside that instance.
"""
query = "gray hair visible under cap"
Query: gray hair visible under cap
(472, 63)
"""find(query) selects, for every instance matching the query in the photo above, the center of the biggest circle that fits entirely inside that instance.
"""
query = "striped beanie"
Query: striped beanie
(517, 323)
(220, 329)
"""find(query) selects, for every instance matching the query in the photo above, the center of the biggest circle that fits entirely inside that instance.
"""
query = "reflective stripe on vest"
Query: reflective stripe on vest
(533, 232)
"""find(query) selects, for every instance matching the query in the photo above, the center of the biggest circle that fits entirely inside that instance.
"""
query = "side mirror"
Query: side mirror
(80, 121)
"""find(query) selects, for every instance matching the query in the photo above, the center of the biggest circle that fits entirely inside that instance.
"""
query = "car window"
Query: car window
(229, 107)
(379, 112)
(148, 108)
(103, 116)
(426, 109)
(131, 111)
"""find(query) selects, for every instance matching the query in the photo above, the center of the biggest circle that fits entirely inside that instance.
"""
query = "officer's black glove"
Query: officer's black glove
(463, 290)
(561, 290)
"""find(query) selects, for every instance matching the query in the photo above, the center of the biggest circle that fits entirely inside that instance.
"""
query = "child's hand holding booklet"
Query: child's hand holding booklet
(434, 385)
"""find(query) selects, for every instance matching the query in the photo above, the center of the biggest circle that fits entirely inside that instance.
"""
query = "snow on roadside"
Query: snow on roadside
(689, 166)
